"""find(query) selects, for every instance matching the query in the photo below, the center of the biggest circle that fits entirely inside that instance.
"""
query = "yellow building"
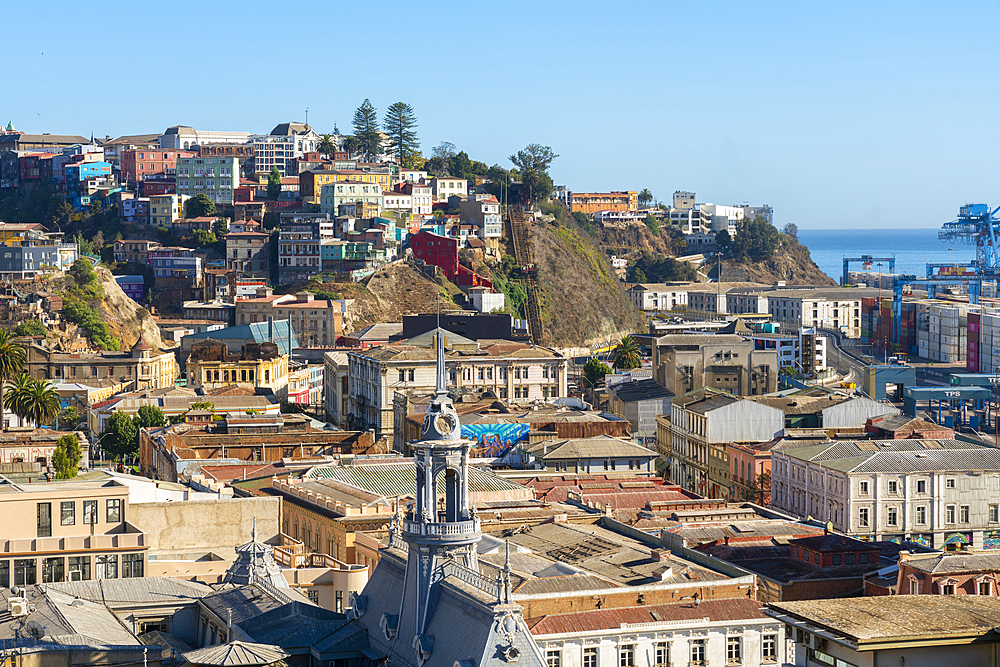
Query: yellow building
(311, 182)
(211, 365)
(13, 233)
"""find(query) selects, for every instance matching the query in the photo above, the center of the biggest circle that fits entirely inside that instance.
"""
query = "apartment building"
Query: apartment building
(134, 250)
(443, 187)
(334, 195)
(165, 210)
(653, 297)
(941, 494)
(142, 163)
(215, 177)
(260, 365)
(311, 181)
(143, 366)
(483, 211)
(515, 372)
(67, 531)
(316, 322)
(825, 307)
(592, 202)
(703, 423)
(728, 362)
(249, 253)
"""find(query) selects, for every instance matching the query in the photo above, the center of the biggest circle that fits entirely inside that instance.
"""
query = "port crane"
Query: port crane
(866, 265)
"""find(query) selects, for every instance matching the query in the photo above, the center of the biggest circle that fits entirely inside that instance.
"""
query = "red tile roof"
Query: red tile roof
(733, 609)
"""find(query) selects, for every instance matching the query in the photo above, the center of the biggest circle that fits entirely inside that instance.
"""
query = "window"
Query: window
(67, 513)
(965, 514)
(949, 514)
(131, 565)
(862, 559)
(893, 487)
(662, 650)
(849, 559)
(949, 483)
(53, 570)
(891, 518)
(947, 589)
(410, 374)
(339, 606)
(922, 515)
(90, 511)
(697, 651)
(402, 376)
(769, 648)
(114, 510)
(921, 486)
(313, 595)
(626, 656)
(44, 519)
(984, 588)
(994, 513)
(4, 573)
(734, 650)
(590, 657)
(107, 567)
(24, 572)
(914, 587)
(864, 488)
(79, 568)
(863, 517)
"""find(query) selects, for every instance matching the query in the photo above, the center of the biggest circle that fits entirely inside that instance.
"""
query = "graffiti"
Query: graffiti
(991, 539)
(922, 540)
(495, 440)
(958, 538)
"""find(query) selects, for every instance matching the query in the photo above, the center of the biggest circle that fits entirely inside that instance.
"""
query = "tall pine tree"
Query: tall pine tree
(400, 123)
(366, 131)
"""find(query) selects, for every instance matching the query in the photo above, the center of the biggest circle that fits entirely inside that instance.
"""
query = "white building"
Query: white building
(939, 493)
(215, 177)
(485, 300)
(723, 218)
(652, 297)
(443, 187)
(184, 138)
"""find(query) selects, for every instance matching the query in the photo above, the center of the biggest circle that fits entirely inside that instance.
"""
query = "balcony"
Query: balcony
(441, 530)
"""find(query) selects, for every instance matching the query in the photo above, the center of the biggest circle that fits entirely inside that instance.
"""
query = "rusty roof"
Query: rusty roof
(732, 609)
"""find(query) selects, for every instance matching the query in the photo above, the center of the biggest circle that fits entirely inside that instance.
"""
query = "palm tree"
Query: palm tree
(351, 145)
(35, 401)
(327, 146)
(645, 197)
(12, 357)
(627, 354)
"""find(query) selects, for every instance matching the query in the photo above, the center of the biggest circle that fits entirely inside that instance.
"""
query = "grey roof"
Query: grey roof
(246, 602)
(69, 621)
(642, 390)
(380, 331)
(399, 478)
(236, 653)
(944, 563)
(596, 447)
(902, 456)
(115, 593)
(258, 332)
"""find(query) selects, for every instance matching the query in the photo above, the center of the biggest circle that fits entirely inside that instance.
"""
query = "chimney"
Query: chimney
(659, 555)
(270, 328)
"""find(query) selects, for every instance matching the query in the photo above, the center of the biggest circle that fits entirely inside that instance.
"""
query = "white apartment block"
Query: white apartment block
(215, 177)
(944, 494)
(443, 187)
(652, 297)
(185, 138)
(723, 218)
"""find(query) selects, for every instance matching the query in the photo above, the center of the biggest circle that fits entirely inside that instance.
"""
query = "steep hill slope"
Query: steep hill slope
(793, 264)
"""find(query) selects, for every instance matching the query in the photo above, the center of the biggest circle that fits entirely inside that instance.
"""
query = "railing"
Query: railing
(453, 569)
(448, 529)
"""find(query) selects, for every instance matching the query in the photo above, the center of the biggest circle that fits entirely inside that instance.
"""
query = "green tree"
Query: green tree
(626, 354)
(351, 145)
(69, 418)
(274, 184)
(13, 354)
(203, 239)
(636, 275)
(220, 227)
(34, 401)
(366, 131)
(66, 457)
(645, 197)
(444, 150)
(791, 229)
(653, 224)
(533, 163)
(595, 370)
(327, 146)
(199, 206)
(30, 327)
(149, 416)
(119, 437)
(400, 124)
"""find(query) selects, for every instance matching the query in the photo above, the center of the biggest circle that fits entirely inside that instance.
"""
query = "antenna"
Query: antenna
(35, 629)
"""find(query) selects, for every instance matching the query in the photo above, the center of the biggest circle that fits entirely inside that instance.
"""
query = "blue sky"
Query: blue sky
(837, 114)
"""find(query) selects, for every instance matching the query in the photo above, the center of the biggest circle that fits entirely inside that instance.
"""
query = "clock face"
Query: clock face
(444, 424)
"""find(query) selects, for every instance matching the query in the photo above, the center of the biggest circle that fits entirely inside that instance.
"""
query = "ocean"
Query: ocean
(912, 248)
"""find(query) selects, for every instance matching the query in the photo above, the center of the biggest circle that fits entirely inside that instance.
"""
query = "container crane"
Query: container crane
(977, 225)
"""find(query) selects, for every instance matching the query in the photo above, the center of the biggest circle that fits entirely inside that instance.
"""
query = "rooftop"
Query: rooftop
(902, 456)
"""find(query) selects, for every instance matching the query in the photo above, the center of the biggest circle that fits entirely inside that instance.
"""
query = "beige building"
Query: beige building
(142, 367)
(316, 322)
(67, 531)
(515, 372)
(211, 366)
(685, 362)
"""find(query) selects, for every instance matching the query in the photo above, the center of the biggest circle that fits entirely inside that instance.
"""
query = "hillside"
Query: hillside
(581, 299)
(792, 264)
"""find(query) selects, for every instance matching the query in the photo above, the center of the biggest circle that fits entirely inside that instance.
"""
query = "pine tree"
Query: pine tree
(66, 457)
(274, 184)
(400, 123)
(366, 131)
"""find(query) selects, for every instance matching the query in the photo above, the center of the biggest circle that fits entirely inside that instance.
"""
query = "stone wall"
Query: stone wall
(201, 525)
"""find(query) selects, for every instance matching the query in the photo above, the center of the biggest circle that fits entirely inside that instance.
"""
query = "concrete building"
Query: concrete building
(652, 297)
(259, 365)
(67, 531)
(336, 194)
(731, 363)
(165, 210)
(316, 322)
(592, 202)
(141, 367)
(138, 164)
(936, 493)
(514, 371)
(640, 402)
(134, 251)
(215, 177)
(184, 137)
(249, 253)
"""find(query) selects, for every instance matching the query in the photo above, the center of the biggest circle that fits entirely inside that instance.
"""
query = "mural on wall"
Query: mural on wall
(494, 440)
(923, 540)
(991, 539)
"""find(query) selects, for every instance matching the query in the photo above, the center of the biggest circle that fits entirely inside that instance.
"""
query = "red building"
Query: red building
(138, 164)
(442, 252)
(36, 167)
(158, 186)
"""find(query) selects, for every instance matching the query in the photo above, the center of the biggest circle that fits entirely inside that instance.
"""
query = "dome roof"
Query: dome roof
(141, 345)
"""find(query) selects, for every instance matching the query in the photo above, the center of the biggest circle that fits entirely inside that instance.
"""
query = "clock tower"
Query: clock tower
(434, 533)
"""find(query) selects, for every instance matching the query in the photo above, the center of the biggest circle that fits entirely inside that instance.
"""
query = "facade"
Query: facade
(215, 177)
(443, 187)
(135, 251)
(640, 402)
(188, 138)
(652, 297)
(590, 203)
(249, 253)
(731, 363)
(597, 454)
(142, 367)
(702, 425)
(514, 371)
(483, 211)
(142, 163)
(165, 210)
(937, 493)
(336, 194)
(170, 262)
(316, 322)
(211, 366)
(68, 531)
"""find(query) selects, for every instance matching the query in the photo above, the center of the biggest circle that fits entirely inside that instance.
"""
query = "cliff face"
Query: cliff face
(630, 240)
(581, 298)
(793, 264)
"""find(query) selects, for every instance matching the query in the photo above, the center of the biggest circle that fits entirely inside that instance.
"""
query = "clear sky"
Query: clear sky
(849, 114)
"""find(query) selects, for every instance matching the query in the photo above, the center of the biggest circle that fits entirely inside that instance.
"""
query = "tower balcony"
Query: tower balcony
(443, 530)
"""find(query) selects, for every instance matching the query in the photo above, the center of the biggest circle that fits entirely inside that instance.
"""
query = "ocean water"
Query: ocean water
(912, 248)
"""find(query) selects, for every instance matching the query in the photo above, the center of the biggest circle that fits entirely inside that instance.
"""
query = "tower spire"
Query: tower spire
(439, 343)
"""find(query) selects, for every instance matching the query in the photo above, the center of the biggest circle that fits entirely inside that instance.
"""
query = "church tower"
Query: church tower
(435, 534)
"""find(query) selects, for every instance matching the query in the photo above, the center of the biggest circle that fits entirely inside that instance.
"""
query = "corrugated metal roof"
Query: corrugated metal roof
(400, 479)
(236, 653)
(123, 592)
(734, 609)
